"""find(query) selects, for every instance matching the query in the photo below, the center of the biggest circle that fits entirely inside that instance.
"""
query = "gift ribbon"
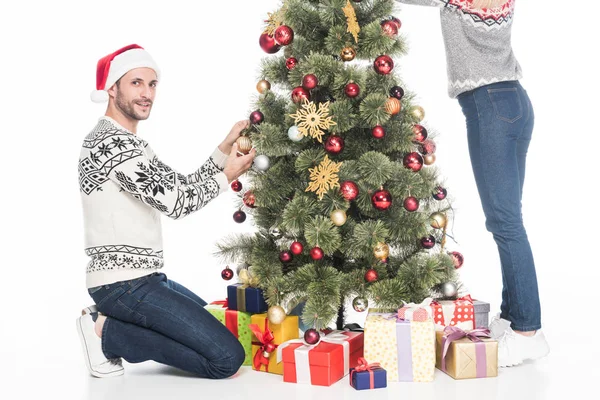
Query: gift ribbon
(363, 365)
(301, 353)
(452, 333)
(264, 338)
(231, 317)
(410, 308)
(241, 297)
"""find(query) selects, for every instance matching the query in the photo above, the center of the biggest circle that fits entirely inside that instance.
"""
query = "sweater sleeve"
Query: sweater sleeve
(129, 166)
(215, 164)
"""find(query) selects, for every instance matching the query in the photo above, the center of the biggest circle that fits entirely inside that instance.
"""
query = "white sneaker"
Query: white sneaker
(514, 348)
(98, 365)
(498, 326)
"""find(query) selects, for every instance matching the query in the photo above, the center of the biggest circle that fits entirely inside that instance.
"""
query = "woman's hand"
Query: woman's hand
(233, 135)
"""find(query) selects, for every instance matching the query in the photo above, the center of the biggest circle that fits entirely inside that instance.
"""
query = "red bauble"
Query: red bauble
(397, 92)
(427, 147)
(316, 253)
(389, 28)
(440, 193)
(378, 132)
(285, 256)
(349, 190)
(420, 133)
(396, 21)
(257, 118)
(267, 43)
(381, 200)
(291, 63)
(227, 274)
(352, 90)
(239, 216)
(296, 248)
(413, 161)
(428, 242)
(299, 94)
(334, 144)
(249, 199)
(371, 275)
(236, 186)
(457, 259)
(312, 336)
(383, 65)
(284, 35)
(310, 81)
(411, 203)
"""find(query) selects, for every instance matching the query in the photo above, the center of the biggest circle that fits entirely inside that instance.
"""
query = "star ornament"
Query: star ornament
(353, 26)
(324, 177)
(313, 121)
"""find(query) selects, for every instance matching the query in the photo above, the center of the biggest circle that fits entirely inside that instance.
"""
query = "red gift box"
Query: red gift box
(323, 364)
(459, 313)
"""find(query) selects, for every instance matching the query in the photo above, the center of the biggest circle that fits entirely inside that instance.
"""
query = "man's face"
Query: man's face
(134, 94)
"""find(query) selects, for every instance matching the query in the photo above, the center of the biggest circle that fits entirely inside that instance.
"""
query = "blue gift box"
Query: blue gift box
(246, 299)
(362, 380)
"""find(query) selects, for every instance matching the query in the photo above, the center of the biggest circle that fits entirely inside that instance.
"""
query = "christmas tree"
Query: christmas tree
(343, 193)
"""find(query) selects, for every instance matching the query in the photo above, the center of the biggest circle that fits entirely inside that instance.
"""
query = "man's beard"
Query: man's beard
(128, 108)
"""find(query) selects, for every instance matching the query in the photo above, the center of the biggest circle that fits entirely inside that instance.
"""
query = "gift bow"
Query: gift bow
(452, 333)
(265, 338)
(363, 365)
(247, 278)
(302, 362)
(410, 308)
(219, 303)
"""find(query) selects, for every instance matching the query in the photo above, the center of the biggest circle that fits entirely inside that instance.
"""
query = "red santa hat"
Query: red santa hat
(113, 66)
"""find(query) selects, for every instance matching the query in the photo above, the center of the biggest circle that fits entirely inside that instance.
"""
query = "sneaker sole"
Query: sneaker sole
(87, 356)
(513, 364)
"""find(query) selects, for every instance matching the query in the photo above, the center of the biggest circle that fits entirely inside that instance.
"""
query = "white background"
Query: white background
(209, 56)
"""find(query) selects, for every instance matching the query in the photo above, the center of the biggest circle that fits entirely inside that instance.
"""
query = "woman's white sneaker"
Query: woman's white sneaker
(98, 365)
(514, 348)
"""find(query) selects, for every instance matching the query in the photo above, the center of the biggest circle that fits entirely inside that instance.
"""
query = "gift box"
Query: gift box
(265, 339)
(482, 314)
(367, 376)
(466, 354)
(459, 313)
(237, 322)
(404, 348)
(241, 297)
(324, 364)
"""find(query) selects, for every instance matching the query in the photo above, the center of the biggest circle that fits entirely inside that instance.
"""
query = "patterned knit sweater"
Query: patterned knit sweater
(478, 43)
(124, 189)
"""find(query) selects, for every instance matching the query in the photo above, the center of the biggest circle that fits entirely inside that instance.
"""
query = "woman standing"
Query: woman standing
(484, 75)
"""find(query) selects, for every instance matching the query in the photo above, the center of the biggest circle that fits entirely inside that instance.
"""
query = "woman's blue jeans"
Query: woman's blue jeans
(499, 126)
(154, 318)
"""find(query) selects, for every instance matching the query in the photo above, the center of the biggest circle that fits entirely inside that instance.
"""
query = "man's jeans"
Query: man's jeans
(499, 127)
(153, 318)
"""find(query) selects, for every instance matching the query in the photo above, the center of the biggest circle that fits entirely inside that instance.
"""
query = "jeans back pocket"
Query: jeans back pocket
(507, 104)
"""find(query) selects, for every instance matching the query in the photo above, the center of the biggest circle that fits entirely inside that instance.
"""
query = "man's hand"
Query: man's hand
(233, 135)
(238, 165)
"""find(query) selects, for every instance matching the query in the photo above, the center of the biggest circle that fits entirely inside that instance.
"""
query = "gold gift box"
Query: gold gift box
(461, 359)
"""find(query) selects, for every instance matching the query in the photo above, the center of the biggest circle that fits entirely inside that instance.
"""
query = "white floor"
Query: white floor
(37, 367)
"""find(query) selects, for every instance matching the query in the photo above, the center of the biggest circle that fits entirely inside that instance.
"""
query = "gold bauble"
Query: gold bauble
(276, 315)
(244, 144)
(429, 159)
(381, 251)
(438, 220)
(263, 85)
(338, 217)
(393, 106)
(348, 54)
(418, 112)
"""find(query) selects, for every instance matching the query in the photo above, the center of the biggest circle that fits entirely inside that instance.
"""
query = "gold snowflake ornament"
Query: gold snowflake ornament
(324, 177)
(353, 26)
(312, 121)
(273, 22)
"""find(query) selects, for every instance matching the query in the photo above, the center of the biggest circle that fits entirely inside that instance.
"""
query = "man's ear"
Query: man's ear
(112, 92)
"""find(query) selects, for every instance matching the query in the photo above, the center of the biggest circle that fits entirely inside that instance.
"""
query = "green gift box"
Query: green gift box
(237, 322)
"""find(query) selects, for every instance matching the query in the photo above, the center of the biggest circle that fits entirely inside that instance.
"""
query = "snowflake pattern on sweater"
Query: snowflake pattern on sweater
(116, 167)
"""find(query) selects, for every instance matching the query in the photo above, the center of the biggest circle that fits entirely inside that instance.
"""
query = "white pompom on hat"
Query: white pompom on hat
(113, 66)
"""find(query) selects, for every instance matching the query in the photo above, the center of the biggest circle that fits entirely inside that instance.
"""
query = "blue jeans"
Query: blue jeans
(153, 318)
(499, 126)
